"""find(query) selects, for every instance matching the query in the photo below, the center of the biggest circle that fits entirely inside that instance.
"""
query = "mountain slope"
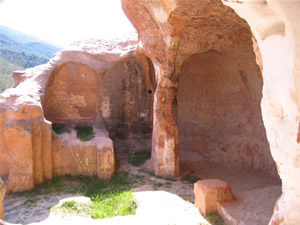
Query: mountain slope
(44, 49)
(17, 36)
(20, 51)
(18, 54)
(6, 70)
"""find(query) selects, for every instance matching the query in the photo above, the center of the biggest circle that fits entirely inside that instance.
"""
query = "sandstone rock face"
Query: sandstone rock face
(209, 193)
(219, 112)
(195, 47)
(102, 83)
(84, 87)
(2, 194)
(170, 32)
(275, 26)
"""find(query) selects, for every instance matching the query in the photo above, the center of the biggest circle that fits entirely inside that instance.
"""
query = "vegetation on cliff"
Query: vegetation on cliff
(20, 51)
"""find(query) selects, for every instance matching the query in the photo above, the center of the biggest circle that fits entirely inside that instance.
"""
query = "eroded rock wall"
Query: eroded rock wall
(71, 94)
(4, 152)
(219, 110)
(27, 136)
(173, 34)
(88, 83)
(119, 94)
(275, 26)
(171, 31)
(126, 104)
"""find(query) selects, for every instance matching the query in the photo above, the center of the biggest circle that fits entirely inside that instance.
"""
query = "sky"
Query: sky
(61, 22)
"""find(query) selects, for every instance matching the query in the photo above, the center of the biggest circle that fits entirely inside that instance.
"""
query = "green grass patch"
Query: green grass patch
(108, 198)
(113, 204)
(215, 219)
(58, 128)
(85, 133)
(104, 205)
(139, 158)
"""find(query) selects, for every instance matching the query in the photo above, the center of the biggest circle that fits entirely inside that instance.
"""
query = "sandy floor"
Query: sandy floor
(162, 201)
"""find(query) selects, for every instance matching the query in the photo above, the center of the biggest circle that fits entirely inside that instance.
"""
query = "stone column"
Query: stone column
(2, 194)
(165, 154)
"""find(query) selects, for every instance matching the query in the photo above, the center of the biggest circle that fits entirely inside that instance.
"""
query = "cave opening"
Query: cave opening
(115, 102)
(221, 131)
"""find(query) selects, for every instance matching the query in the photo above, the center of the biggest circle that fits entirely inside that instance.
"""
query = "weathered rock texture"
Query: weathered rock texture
(87, 85)
(275, 26)
(172, 33)
(97, 82)
(2, 194)
(219, 110)
(203, 51)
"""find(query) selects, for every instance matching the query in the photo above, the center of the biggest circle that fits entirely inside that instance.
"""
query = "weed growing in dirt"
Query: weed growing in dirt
(190, 179)
(139, 158)
(157, 185)
(215, 219)
(85, 133)
(73, 207)
(149, 172)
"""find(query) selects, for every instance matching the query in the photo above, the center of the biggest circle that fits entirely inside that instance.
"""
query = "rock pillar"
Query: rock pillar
(165, 154)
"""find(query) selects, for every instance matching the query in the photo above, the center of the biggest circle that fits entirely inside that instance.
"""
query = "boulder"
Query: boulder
(209, 193)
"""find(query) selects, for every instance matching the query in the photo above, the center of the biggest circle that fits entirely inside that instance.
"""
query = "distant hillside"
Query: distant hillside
(43, 48)
(6, 70)
(20, 51)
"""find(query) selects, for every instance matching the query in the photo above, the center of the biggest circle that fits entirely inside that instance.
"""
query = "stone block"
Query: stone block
(209, 193)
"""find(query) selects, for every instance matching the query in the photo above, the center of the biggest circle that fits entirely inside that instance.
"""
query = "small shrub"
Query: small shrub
(85, 133)
(139, 158)
(58, 128)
